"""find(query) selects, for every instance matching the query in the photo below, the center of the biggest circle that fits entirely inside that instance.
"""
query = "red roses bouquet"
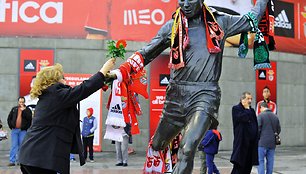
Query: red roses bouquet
(116, 49)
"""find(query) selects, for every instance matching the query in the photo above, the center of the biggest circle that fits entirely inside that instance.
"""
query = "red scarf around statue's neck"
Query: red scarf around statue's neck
(180, 38)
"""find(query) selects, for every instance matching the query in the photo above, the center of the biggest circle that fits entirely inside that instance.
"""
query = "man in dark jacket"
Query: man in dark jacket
(268, 124)
(245, 145)
(19, 120)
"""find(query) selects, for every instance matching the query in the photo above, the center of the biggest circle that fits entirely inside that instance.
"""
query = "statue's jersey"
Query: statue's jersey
(200, 65)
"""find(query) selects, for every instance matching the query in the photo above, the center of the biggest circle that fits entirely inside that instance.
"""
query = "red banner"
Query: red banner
(267, 77)
(290, 26)
(159, 79)
(31, 62)
(43, 18)
(137, 20)
(132, 20)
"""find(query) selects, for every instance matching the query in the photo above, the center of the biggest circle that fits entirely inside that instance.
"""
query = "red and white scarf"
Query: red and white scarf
(180, 38)
(157, 162)
(123, 105)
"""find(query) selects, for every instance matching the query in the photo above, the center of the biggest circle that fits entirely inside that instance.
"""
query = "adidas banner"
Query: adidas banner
(267, 77)
(290, 26)
(289, 22)
(284, 19)
(31, 62)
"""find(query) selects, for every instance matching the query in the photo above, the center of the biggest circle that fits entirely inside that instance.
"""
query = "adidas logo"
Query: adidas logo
(165, 81)
(116, 109)
(262, 75)
(29, 66)
(282, 21)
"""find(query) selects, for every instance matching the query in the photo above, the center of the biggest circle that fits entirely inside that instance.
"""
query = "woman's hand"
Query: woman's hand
(108, 66)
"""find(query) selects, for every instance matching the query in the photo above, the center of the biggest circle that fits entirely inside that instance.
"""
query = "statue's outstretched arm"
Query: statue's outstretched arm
(158, 44)
(237, 24)
(144, 56)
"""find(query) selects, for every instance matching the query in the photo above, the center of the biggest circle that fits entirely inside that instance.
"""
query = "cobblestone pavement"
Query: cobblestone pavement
(288, 160)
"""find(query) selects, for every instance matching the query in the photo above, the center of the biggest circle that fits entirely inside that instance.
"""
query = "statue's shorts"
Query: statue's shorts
(184, 98)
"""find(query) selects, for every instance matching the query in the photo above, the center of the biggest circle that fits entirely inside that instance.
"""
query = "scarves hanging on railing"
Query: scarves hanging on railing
(180, 38)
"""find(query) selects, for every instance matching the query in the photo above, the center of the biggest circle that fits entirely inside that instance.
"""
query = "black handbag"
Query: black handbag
(277, 137)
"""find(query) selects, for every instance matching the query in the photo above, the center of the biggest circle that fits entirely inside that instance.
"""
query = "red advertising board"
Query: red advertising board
(290, 26)
(159, 79)
(289, 22)
(93, 101)
(43, 18)
(131, 20)
(267, 77)
(137, 20)
(31, 62)
(302, 20)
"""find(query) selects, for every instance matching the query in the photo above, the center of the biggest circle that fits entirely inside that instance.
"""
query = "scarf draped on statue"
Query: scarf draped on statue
(162, 161)
(116, 119)
(123, 106)
(264, 34)
(157, 162)
(266, 25)
(180, 38)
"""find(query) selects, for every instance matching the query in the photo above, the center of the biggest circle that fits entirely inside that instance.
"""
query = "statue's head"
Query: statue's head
(191, 8)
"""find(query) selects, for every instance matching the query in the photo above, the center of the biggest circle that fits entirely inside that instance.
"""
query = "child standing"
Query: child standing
(210, 145)
(89, 127)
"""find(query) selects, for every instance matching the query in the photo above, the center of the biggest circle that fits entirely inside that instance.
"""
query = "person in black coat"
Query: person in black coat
(245, 145)
(55, 131)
